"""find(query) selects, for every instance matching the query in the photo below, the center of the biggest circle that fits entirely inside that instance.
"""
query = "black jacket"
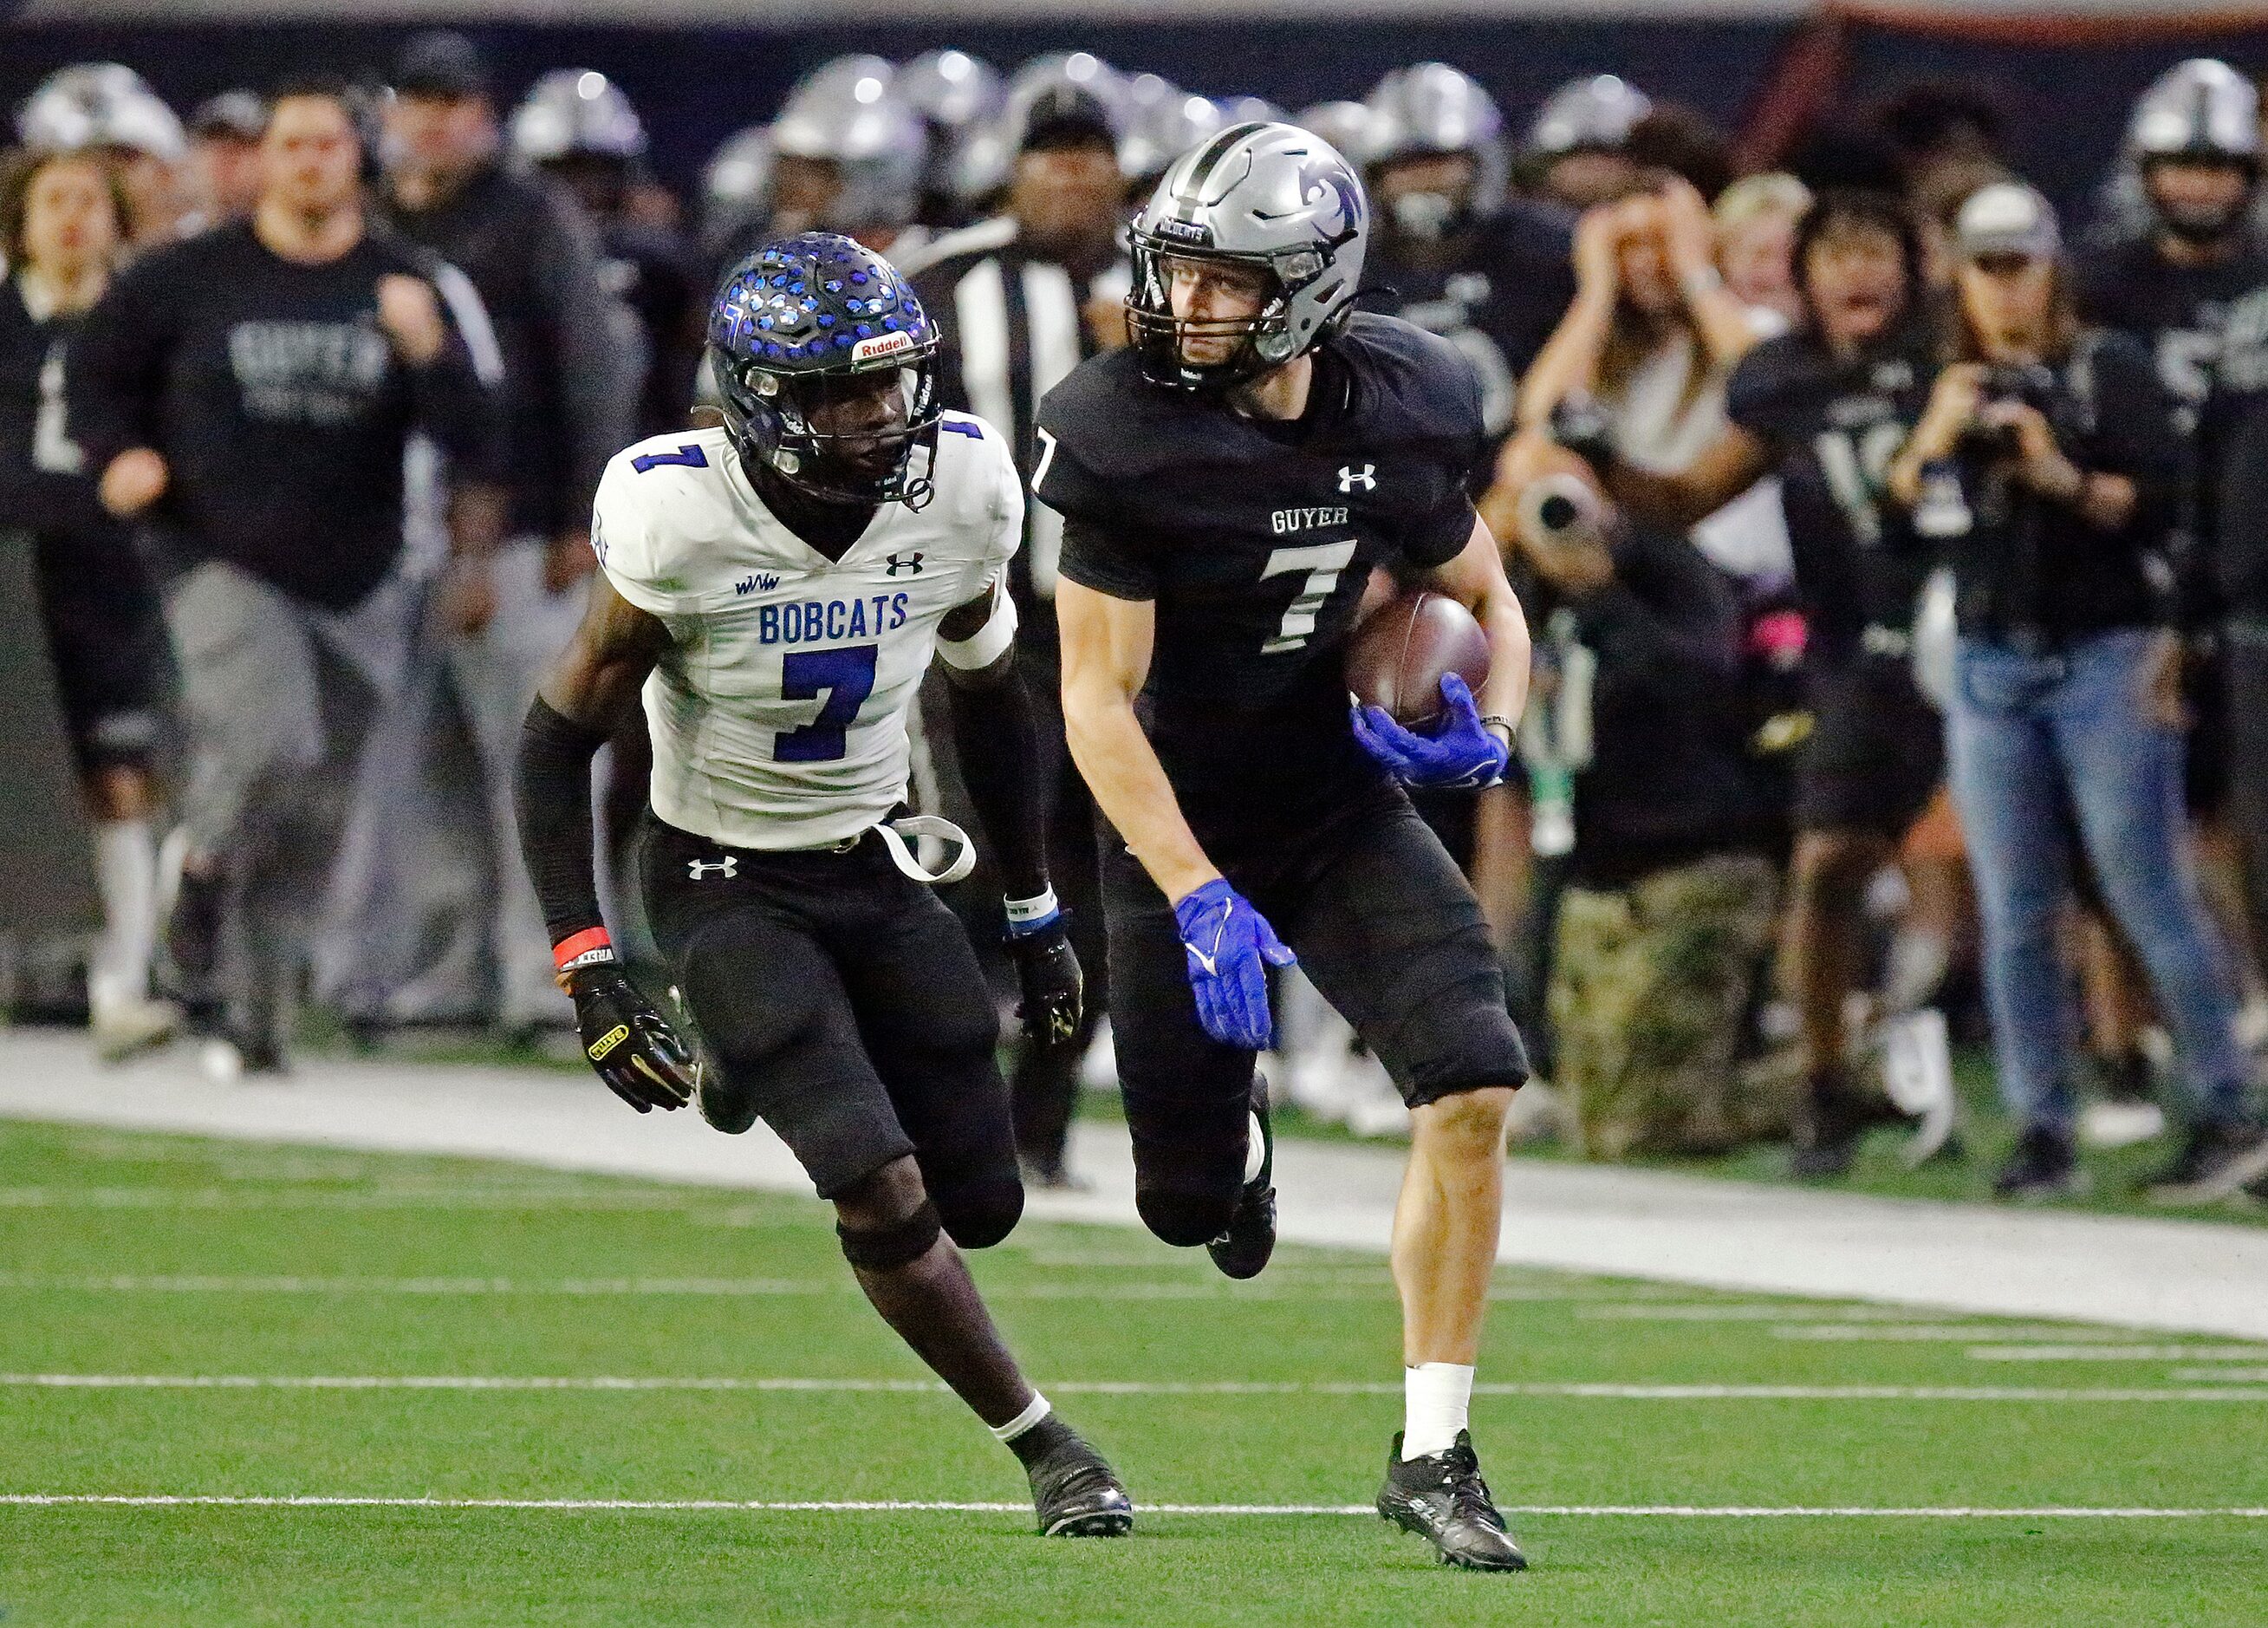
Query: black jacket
(569, 349)
(1670, 779)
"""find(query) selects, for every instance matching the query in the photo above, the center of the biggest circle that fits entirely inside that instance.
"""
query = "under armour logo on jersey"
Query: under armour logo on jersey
(1366, 477)
(909, 563)
(726, 867)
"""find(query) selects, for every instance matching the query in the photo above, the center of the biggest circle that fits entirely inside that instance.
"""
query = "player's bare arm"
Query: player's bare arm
(586, 694)
(1106, 659)
(1475, 579)
(998, 742)
(1730, 465)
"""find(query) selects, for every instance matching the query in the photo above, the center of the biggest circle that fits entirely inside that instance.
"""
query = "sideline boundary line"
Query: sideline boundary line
(1575, 1390)
(1735, 1512)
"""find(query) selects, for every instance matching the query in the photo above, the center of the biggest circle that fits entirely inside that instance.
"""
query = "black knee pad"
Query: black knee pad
(886, 1249)
(979, 1216)
(1185, 1217)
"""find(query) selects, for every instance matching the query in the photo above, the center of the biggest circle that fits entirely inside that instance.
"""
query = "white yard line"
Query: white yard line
(2137, 1272)
(1586, 1390)
(1923, 1333)
(2115, 1353)
(703, 1506)
(1193, 1289)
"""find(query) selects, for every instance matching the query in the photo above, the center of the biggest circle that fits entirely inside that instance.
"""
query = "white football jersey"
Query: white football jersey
(779, 712)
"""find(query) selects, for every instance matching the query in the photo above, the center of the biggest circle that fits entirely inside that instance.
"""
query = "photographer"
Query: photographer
(2047, 465)
(1668, 913)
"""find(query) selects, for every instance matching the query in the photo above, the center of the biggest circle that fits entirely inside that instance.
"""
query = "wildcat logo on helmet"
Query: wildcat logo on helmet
(881, 345)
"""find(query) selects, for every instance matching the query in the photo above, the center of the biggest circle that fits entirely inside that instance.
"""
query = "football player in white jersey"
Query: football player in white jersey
(777, 587)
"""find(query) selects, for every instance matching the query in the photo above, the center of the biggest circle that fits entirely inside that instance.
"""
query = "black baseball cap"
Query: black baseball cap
(235, 115)
(1064, 115)
(442, 65)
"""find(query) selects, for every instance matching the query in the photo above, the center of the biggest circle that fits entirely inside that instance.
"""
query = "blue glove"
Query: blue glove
(1461, 753)
(1230, 948)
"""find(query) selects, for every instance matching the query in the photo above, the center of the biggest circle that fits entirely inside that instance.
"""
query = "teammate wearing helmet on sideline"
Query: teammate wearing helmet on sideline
(2193, 147)
(777, 586)
(1227, 481)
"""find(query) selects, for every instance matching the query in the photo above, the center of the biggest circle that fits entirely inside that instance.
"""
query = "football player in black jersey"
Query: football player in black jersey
(1227, 483)
(62, 219)
(2177, 279)
(1827, 406)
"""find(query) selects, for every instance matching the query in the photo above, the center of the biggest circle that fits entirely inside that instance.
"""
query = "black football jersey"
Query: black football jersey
(2179, 312)
(1832, 428)
(45, 483)
(1498, 301)
(1254, 541)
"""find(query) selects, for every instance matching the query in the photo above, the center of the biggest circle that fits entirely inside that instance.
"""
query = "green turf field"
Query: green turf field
(1661, 1438)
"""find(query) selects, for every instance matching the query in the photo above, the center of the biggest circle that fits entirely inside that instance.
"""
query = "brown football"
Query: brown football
(1398, 652)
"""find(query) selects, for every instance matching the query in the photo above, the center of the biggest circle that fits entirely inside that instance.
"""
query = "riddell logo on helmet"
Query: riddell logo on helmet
(1185, 232)
(881, 344)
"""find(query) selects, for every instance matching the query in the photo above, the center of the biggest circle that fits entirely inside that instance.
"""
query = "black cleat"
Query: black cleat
(2040, 1167)
(1442, 1498)
(2217, 1159)
(1833, 1120)
(1242, 1249)
(1076, 1494)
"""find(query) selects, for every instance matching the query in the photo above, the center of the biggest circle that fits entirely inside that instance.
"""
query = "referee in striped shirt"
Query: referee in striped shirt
(1021, 299)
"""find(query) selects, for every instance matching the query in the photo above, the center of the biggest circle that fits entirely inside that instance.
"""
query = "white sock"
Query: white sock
(1437, 1397)
(1255, 1149)
(125, 877)
(1039, 1409)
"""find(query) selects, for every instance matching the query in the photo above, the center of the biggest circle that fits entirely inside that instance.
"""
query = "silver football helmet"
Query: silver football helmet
(736, 187)
(848, 114)
(100, 105)
(1590, 114)
(2197, 109)
(1045, 90)
(1270, 196)
(577, 112)
(1163, 128)
(1430, 110)
(956, 95)
(1344, 124)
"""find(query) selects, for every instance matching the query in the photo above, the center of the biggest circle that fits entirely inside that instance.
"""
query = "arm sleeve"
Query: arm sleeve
(551, 784)
(598, 392)
(117, 366)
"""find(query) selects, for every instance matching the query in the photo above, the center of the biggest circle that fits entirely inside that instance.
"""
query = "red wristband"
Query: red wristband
(582, 949)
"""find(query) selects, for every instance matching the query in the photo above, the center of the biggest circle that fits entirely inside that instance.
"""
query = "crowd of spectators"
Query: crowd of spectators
(1893, 552)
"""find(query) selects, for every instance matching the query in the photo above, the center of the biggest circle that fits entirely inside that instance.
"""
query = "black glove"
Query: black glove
(637, 1053)
(1053, 985)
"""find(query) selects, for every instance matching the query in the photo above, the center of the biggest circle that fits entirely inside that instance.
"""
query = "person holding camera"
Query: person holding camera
(2047, 465)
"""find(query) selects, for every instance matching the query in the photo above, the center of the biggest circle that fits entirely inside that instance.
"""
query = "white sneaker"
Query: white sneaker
(2121, 1123)
(123, 1028)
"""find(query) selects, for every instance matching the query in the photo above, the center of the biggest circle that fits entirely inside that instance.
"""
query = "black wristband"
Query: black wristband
(552, 787)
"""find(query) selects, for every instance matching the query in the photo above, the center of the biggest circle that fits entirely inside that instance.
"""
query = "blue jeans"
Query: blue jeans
(2038, 745)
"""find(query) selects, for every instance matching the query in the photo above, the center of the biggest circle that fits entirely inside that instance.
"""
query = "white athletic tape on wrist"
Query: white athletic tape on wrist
(894, 836)
(986, 645)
